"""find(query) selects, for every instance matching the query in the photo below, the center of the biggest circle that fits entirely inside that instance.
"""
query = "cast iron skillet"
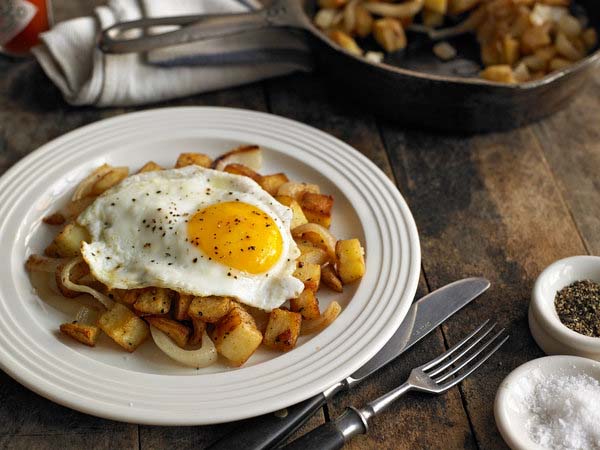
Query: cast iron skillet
(412, 87)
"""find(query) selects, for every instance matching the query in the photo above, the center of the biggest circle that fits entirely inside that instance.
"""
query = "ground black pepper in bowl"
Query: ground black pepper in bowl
(578, 307)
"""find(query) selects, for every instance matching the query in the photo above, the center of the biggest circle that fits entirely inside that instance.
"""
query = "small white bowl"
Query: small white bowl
(551, 335)
(510, 416)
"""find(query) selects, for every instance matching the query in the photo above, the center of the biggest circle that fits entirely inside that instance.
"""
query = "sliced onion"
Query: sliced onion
(248, 155)
(40, 263)
(197, 358)
(87, 316)
(320, 323)
(65, 278)
(397, 10)
(85, 187)
(318, 235)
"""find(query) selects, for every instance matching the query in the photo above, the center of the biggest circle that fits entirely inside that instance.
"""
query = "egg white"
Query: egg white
(139, 236)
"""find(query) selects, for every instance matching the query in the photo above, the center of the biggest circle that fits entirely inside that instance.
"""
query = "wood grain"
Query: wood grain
(306, 99)
(485, 205)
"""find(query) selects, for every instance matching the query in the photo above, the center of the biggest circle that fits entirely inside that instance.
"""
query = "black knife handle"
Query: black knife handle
(325, 437)
(266, 431)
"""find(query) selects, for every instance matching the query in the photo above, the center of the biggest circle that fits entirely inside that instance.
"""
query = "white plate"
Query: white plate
(146, 387)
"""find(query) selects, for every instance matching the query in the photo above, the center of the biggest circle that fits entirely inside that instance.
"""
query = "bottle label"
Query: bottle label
(15, 15)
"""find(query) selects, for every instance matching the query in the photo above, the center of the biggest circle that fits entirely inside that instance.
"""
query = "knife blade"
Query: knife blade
(424, 315)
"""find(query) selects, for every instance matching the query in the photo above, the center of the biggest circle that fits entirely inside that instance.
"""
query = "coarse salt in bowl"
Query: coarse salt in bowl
(551, 403)
(553, 337)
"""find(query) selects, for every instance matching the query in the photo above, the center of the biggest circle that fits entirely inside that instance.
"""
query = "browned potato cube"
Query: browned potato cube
(456, 7)
(510, 50)
(153, 300)
(309, 253)
(534, 38)
(240, 169)
(283, 330)
(67, 243)
(389, 33)
(501, 73)
(126, 296)
(363, 21)
(175, 330)
(272, 183)
(350, 260)
(438, 6)
(115, 176)
(330, 278)
(298, 217)
(181, 305)
(124, 327)
(86, 334)
(150, 166)
(209, 309)
(296, 190)
(199, 329)
(317, 208)
(309, 274)
(306, 304)
(236, 336)
(54, 219)
(189, 159)
(345, 41)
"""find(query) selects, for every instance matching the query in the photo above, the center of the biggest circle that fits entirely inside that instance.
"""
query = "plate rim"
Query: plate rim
(79, 133)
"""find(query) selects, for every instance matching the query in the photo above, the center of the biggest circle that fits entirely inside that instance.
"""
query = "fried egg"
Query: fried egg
(196, 231)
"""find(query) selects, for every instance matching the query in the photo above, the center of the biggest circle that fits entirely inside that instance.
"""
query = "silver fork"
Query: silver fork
(434, 377)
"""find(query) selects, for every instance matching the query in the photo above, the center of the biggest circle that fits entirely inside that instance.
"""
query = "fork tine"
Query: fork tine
(468, 360)
(446, 364)
(451, 350)
(473, 368)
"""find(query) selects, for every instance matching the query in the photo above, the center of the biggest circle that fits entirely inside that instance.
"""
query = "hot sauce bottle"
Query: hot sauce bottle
(21, 22)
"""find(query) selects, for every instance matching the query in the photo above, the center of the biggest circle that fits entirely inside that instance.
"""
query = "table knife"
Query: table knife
(424, 315)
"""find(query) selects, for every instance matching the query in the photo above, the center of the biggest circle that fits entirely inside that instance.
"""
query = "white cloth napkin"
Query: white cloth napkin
(69, 56)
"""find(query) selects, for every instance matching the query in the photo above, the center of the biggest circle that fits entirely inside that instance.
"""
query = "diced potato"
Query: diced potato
(86, 334)
(77, 273)
(298, 217)
(297, 190)
(500, 73)
(432, 19)
(124, 327)
(569, 25)
(317, 208)
(239, 169)
(534, 38)
(566, 48)
(363, 21)
(199, 329)
(272, 183)
(350, 260)
(438, 6)
(490, 54)
(209, 309)
(153, 300)
(236, 336)
(177, 331)
(189, 159)
(283, 330)
(112, 178)
(389, 33)
(126, 296)
(316, 325)
(150, 166)
(345, 41)
(330, 278)
(76, 207)
(309, 274)
(510, 50)
(181, 305)
(68, 242)
(260, 316)
(306, 304)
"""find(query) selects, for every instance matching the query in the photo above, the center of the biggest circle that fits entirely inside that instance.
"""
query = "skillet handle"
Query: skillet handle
(192, 28)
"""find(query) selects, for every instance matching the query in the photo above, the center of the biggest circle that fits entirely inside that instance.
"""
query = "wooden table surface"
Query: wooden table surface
(503, 206)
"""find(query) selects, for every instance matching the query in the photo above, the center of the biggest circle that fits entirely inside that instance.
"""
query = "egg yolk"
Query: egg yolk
(238, 235)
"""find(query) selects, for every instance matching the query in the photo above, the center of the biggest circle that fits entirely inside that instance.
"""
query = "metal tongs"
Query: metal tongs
(192, 28)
